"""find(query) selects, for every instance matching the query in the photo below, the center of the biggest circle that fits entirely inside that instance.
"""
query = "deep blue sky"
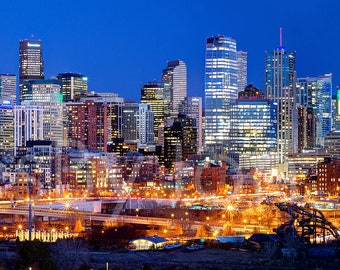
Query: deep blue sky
(119, 44)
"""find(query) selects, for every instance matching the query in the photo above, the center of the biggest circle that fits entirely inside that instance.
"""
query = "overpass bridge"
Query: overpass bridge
(88, 216)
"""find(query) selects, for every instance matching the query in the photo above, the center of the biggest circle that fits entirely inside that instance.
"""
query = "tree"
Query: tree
(78, 228)
(70, 254)
(227, 229)
(178, 229)
(35, 253)
(203, 231)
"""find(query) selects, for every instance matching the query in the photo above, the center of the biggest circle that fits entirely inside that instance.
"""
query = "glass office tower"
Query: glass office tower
(254, 132)
(221, 87)
(31, 65)
(73, 86)
(158, 96)
(175, 74)
(316, 93)
(242, 70)
(8, 84)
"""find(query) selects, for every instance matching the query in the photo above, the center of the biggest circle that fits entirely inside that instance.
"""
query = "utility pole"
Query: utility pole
(30, 201)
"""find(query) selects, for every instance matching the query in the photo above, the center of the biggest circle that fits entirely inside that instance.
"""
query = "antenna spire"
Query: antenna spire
(280, 36)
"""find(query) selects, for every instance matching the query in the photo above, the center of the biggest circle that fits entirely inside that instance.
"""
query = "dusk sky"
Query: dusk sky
(119, 44)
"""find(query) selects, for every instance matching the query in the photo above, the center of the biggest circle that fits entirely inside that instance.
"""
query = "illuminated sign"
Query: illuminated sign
(33, 45)
(337, 94)
(6, 104)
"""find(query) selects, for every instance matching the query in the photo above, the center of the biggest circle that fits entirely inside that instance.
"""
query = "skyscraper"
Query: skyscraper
(158, 96)
(242, 70)
(8, 84)
(46, 93)
(191, 107)
(175, 74)
(316, 93)
(87, 125)
(113, 106)
(6, 127)
(180, 141)
(28, 124)
(254, 132)
(336, 109)
(221, 73)
(129, 123)
(73, 86)
(31, 65)
(145, 125)
(280, 79)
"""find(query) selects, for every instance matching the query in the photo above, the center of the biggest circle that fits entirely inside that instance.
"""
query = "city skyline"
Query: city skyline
(104, 43)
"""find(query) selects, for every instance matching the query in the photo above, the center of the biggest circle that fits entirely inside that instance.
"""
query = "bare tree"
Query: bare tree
(70, 254)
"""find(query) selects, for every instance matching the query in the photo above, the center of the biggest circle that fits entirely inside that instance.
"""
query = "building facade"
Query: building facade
(73, 86)
(280, 82)
(145, 125)
(31, 65)
(175, 74)
(8, 84)
(157, 95)
(254, 132)
(130, 116)
(6, 127)
(87, 125)
(191, 107)
(28, 124)
(47, 94)
(306, 128)
(242, 70)
(180, 141)
(316, 93)
(328, 178)
(221, 86)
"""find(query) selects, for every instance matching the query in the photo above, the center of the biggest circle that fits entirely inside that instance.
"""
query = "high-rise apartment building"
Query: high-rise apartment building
(130, 115)
(8, 83)
(6, 127)
(316, 93)
(145, 125)
(242, 70)
(221, 75)
(158, 96)
(31, 65)
(280, 82)
(28, 124)
(46, 93)
(180, 141)
(87, 125)
(336, 110)
(306, 128)
(175, 74)
(114, 110)
(191, 107)
(73, 86)
(254, 132)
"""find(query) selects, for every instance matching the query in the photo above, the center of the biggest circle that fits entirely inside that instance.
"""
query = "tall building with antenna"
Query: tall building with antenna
(31, 65)
(280, 81)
